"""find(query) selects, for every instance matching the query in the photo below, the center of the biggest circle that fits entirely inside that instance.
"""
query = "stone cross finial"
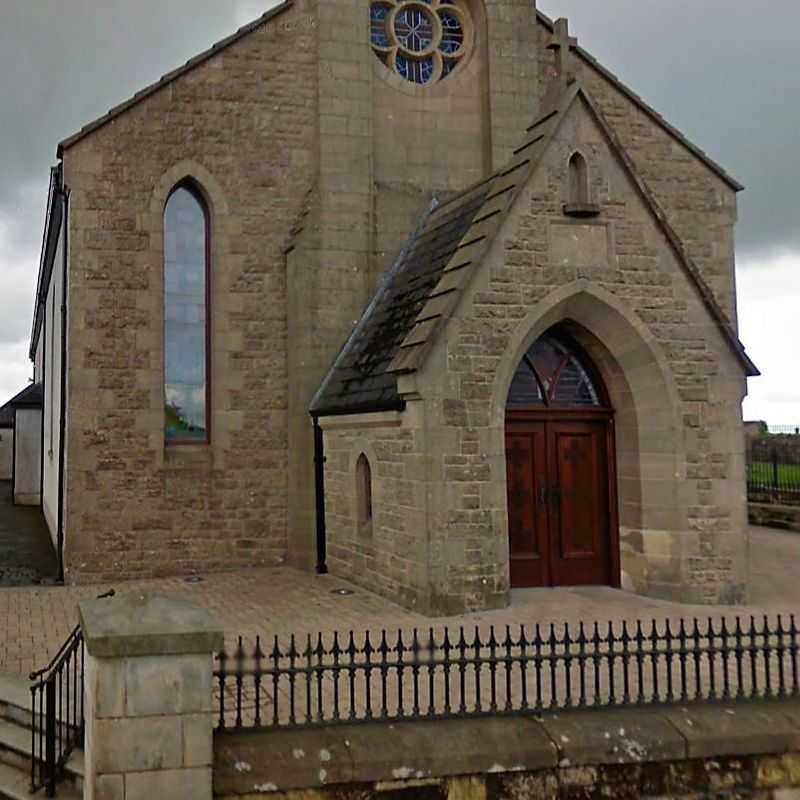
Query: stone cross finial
(563, 43)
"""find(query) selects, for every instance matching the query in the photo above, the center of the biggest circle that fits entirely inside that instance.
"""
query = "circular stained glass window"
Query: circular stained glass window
(423, 41)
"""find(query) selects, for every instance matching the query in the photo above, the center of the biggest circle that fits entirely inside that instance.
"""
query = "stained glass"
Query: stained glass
(452, 33)
(185, 377)
(448, 67)
(417, 70)
(378, 14)
(552, 374)
(414, 29)
(401, 31)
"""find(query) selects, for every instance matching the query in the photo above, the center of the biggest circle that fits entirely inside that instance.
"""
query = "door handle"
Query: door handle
(542, 495)
(555, 497)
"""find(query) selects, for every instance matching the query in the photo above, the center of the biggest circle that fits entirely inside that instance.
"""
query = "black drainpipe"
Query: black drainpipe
(62, 425)
(43, 381)
(319, 480)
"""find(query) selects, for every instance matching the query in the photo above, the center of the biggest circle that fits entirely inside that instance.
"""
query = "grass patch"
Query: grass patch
(761, 473)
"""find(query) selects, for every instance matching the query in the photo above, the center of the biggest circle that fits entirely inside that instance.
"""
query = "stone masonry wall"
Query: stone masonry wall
(700, 205)
(681, 481)
(754, 778)
(746, 750)
(389, 554)
(243, 125)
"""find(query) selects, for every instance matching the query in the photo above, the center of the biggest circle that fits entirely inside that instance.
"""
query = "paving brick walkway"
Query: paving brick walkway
(35, 621)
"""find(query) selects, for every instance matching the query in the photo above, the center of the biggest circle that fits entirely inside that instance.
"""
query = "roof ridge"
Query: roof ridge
(169, 77)
(649, 110)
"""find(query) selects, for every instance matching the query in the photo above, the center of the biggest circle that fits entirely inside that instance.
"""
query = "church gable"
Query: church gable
(170, 77)
(440, 260)
(696, 193)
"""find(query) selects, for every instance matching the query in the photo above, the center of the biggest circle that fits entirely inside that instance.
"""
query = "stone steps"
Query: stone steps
(15, 785)
(16, 744)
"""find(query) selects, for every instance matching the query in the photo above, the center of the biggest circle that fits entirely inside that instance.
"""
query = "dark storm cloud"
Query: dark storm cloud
(61, 65)
(727, 74)
(721, 71)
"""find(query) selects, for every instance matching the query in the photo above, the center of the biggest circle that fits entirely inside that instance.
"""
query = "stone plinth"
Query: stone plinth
(149, 723)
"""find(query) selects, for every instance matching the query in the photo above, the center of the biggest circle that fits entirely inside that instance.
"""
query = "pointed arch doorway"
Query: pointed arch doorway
(562, 503)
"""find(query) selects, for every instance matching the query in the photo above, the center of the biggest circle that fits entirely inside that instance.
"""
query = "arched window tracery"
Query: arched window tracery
(555, 374)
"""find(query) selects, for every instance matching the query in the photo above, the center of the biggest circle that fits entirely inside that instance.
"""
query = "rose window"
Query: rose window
(423, 41)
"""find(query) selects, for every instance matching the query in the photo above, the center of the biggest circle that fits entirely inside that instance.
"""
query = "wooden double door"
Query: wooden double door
(561, 500)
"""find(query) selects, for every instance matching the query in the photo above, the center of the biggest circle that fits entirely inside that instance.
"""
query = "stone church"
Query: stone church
(413, 291)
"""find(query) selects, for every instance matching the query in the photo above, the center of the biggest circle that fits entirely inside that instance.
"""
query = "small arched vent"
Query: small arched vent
(579, 196)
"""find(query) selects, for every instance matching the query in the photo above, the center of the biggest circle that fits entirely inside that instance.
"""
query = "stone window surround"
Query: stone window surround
(467, 69)
(191, 186)
(185, 455)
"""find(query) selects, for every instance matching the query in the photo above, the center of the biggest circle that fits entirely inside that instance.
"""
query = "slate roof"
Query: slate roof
(31, 396)
(6, 416)
(362, 377)
(423, 287)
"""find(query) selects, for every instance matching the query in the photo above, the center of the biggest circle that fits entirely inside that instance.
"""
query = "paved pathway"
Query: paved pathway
(26, 551)
(35, 621)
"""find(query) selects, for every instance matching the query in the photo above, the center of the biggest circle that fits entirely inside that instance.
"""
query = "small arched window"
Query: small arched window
(186, 256)
(364, 490)
(578, 180)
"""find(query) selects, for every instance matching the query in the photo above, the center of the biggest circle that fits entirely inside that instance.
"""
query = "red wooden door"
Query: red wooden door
(526, 464)
(558, 502)
(578, 509)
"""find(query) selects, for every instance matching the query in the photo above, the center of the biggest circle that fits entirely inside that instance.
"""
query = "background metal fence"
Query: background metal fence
(773, 468)
(443, 673)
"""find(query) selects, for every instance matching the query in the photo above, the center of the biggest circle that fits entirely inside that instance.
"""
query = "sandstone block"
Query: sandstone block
(183, 784)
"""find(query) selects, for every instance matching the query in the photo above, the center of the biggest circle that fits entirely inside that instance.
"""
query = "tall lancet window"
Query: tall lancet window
(186, 317)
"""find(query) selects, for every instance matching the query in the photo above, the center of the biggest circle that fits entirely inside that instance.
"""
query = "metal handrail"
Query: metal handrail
(34, 675)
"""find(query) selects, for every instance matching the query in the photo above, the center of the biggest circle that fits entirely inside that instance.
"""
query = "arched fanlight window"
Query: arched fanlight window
(578, 180)
(186, 317)
(364, 490)
(554, 374)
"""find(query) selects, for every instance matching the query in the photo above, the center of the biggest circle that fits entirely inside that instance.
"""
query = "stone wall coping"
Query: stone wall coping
(132, 625)
(315, 757)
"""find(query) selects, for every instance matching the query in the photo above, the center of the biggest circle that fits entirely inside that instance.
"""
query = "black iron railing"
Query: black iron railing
(773, 470)
(57, 706)
(440, 674)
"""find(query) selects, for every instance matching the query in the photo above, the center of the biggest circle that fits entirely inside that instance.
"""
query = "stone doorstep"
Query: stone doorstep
(268, 761)
(15, 785)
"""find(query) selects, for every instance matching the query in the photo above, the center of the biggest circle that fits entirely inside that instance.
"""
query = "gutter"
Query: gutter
(319, 485)
(62, 425)
(44, 383)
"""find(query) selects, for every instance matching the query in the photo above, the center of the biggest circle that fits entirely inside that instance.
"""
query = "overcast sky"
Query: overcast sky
(723, 71)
